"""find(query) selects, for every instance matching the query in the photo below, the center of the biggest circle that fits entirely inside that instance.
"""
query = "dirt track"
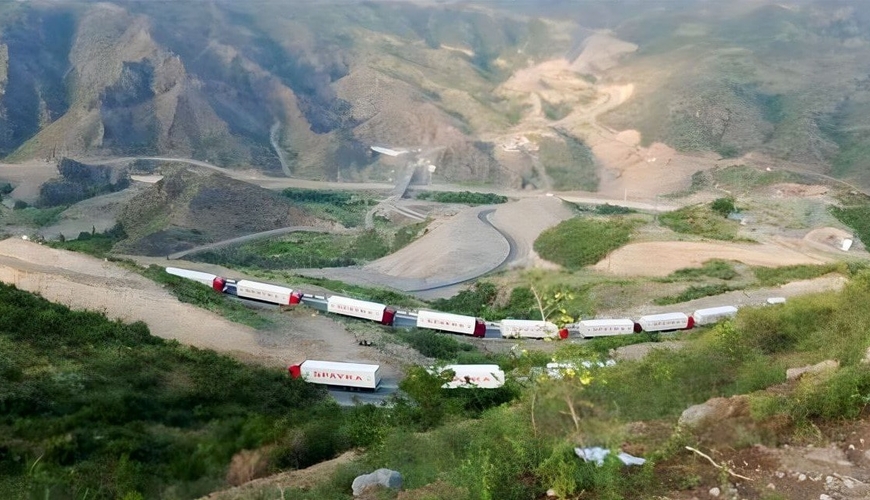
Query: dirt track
(82, 282)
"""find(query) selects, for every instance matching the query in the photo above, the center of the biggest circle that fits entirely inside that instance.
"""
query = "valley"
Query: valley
(512, 160)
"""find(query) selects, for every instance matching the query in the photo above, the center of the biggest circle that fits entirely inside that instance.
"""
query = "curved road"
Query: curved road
(250, 237)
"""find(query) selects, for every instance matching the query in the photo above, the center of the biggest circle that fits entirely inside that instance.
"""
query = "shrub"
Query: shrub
(723, 206)
(772, 276)
(700, 220)
(580, 242)
(464, 197)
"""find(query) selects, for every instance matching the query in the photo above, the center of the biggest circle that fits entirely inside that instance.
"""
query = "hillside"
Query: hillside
(190, 207)
(491, 93)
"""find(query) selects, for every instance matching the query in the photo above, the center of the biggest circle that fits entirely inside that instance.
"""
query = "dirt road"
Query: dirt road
(83, 282)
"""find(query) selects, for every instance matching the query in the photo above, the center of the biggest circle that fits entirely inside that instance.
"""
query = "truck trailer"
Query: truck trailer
(472, 376)
(531, 329)
(338, 374)
(665, 322)
(605, 327)
(360, 309)
(265, 292)
(713, 314)
(454, 323)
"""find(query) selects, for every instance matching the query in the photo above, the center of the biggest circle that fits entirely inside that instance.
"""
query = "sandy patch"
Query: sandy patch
(524, 221)
(661, 258)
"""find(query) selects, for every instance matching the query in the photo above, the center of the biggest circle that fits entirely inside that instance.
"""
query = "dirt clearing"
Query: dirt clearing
(661, 258)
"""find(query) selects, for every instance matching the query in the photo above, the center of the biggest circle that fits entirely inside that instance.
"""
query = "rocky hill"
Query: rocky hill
(190, 207)
(490, 92)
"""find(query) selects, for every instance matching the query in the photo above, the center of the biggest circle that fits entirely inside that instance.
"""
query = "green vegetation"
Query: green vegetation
(482, 300)
(700, 220)
(773, 276)
(93, 243)
(91, 408)
(200, 295)
(345, 207)
(581, 241)
(713, 268)
(856, 216)
(694, 292)
(441, 347)
(302, 250)
(556, 111)
(465, 197)
(24, 215)
(723, 206)
(569, 163)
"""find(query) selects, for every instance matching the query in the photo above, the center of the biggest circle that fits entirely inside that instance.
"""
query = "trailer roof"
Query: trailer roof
(654, 317)
(349, 301)
(263, 286)
(603, 322)
(716, 310)
(438, 314)
(337, 365)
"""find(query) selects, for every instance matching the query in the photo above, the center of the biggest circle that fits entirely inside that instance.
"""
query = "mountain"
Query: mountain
(496, 92)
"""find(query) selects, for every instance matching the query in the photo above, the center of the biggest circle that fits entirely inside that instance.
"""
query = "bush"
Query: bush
(19, 205)
(773, 276)
(723, 206)
(700, 220)
(714, 268)
(692, 293)
(580, 242)
(464, 197)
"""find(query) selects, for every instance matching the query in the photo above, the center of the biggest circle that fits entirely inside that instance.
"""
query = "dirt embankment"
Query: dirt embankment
(83, 282)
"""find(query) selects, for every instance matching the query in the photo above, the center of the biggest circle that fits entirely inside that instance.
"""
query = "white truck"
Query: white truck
(454, 323)
(472, 376)
(338, 374)
(530, 329)
(360, 309)
(713, 314)
(265, 292)
(589, 328)
(200, 277)
(665, 322)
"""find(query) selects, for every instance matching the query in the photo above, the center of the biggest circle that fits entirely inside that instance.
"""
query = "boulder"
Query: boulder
(381, 477)
(828, 365)
(714, 410)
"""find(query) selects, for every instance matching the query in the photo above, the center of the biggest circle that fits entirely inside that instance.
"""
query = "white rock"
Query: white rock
(851, 446)
(771, 486)
(825, 497)
(551, 492)
(384, 477)
(848, 483)
(714, 492)
(802, 477)
(829, 479)
(780, 474)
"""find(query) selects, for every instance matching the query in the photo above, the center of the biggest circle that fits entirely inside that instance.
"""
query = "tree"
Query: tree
(553, 308)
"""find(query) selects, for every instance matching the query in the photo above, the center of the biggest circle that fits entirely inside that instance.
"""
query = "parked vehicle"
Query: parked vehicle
(360, 309)
(338, 374)
(589, 328)
(531, 329)
(664, 322)
(206, 279)
(472, 376)
(454, 323)
(265, 292)
(713, 315)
